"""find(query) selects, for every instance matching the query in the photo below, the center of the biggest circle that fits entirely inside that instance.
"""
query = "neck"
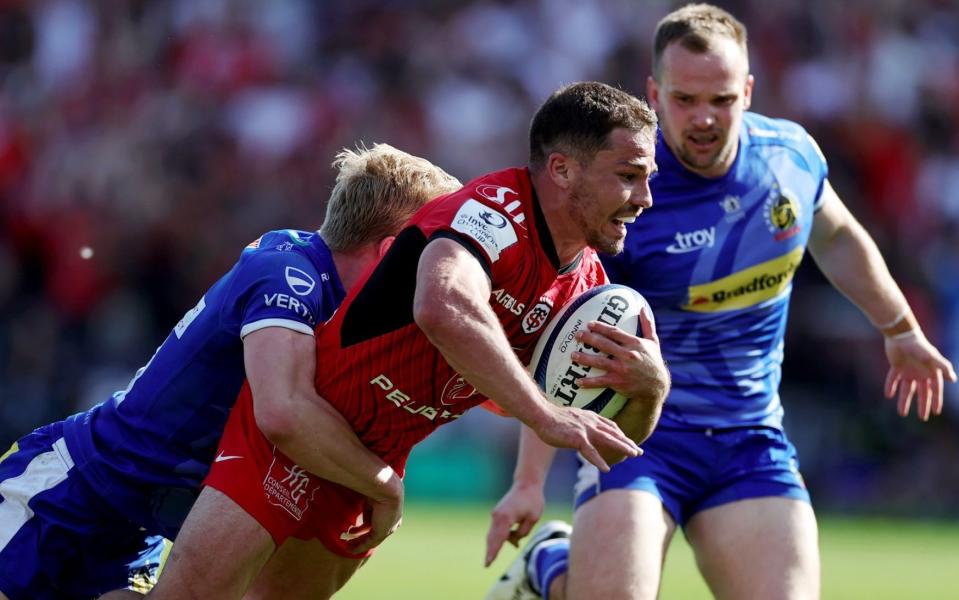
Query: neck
(350, 266)
(567, 237)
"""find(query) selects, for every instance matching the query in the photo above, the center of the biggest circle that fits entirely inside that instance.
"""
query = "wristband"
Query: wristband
(895, 321)
(904, 335)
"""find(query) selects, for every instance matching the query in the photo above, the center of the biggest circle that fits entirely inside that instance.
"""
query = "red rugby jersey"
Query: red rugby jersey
(380, 370)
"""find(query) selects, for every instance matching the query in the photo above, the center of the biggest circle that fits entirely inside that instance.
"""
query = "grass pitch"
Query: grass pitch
(438, 555)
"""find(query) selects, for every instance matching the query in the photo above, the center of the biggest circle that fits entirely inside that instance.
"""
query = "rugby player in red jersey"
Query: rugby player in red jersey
(442, 323)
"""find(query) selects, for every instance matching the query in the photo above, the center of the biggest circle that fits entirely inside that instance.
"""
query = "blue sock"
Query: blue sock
(549, 561)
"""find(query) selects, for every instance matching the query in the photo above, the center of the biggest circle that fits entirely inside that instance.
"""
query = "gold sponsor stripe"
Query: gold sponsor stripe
(747, 287)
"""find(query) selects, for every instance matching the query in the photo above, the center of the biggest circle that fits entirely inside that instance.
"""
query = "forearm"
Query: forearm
(321, 441)
(533, 460)
(453, 311)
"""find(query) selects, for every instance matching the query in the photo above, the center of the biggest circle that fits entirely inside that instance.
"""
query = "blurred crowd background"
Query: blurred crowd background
(143, 143)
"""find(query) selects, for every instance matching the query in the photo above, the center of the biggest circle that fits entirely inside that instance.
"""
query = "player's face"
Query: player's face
(700, 100)
(613, 189)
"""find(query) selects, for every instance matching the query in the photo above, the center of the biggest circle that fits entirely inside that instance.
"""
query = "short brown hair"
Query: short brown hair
(694, 26)
(377, 191)
(577, 120)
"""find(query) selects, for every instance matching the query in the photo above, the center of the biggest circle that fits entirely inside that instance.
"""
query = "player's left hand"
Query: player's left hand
(916, 368)
(634, 365)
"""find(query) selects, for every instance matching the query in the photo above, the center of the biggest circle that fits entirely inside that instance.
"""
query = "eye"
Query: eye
(628, 177)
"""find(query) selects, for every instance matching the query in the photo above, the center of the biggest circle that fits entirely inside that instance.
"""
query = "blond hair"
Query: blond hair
(377, 191)
(694, 26)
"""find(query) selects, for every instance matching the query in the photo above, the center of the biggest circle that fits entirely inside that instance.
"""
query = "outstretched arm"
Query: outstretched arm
(518, 511)
(451, 306)
(849, 258)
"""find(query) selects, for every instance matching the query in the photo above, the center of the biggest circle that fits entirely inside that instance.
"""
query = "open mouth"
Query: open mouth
(702, 140)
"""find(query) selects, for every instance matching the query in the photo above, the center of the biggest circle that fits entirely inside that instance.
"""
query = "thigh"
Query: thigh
(218, 553)
(758, 548)
(618, 546)
(303, 569)
(57, 538)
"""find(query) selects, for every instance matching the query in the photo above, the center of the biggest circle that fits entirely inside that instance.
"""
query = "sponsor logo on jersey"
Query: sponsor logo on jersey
(747, 287)
(508, 301)
(537, 316)
(290, 303)
(505, 197)
(402, 400)
(299, 281)
(224, 457)
(782, 213)
(692, 240)
(456, 389)
(491, 230)
(733, 207)
(290, 487)
(285, 247)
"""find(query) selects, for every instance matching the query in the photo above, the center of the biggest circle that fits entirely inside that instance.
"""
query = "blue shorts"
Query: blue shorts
(691, 470)
(58, 539)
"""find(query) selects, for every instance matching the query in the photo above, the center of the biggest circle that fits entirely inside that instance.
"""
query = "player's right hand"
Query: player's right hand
(513, 517)
(587, 432)
(386, 516)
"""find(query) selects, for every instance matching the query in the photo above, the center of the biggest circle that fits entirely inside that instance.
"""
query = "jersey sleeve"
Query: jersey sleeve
(277, 288)
(817, 167)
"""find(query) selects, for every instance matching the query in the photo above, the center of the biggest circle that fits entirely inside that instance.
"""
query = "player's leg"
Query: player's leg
(58, 538)
(219, 552)
(303, 569)
(755, 535)
(758, 548)
(617, 548)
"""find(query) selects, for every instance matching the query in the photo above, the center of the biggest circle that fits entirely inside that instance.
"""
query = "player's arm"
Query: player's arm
(280, 366)
(849, 258)
(518, 511)
(451, 306)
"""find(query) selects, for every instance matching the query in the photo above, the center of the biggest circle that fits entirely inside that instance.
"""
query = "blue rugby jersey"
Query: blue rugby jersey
(715, 258)
(147, 449)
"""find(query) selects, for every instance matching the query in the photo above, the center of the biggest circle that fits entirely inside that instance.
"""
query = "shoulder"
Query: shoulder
(286, 254)
(766, 133)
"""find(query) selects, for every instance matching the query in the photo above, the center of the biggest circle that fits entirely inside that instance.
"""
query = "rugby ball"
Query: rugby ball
(552, 365)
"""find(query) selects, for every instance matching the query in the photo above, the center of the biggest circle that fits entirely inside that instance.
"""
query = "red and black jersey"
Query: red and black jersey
(380, 370)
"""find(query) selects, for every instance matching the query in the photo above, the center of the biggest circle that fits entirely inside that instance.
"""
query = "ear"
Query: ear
(748, 92)
(562, 169)
(384, 245)
(652, 93)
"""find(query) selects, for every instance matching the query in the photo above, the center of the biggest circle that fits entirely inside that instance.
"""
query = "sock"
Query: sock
(548, 561)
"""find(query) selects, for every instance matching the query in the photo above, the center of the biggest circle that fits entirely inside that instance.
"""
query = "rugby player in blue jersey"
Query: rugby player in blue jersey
(84, 501)
(738, 199)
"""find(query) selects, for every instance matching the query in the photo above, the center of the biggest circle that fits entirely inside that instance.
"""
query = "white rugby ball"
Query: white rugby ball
(552, 366)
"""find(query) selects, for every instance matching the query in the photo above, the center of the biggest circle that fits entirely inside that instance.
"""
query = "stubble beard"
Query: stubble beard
(594, 237)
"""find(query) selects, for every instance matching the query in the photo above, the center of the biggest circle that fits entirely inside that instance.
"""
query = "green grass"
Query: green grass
(438, 554)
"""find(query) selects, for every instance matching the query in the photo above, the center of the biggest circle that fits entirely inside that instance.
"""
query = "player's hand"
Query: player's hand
(586, 432)
(917, 369)
(385, 517)
(634, 365)
(513, 517)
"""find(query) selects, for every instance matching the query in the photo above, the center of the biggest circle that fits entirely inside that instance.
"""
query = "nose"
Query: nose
(703, 116)
(642, 196)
